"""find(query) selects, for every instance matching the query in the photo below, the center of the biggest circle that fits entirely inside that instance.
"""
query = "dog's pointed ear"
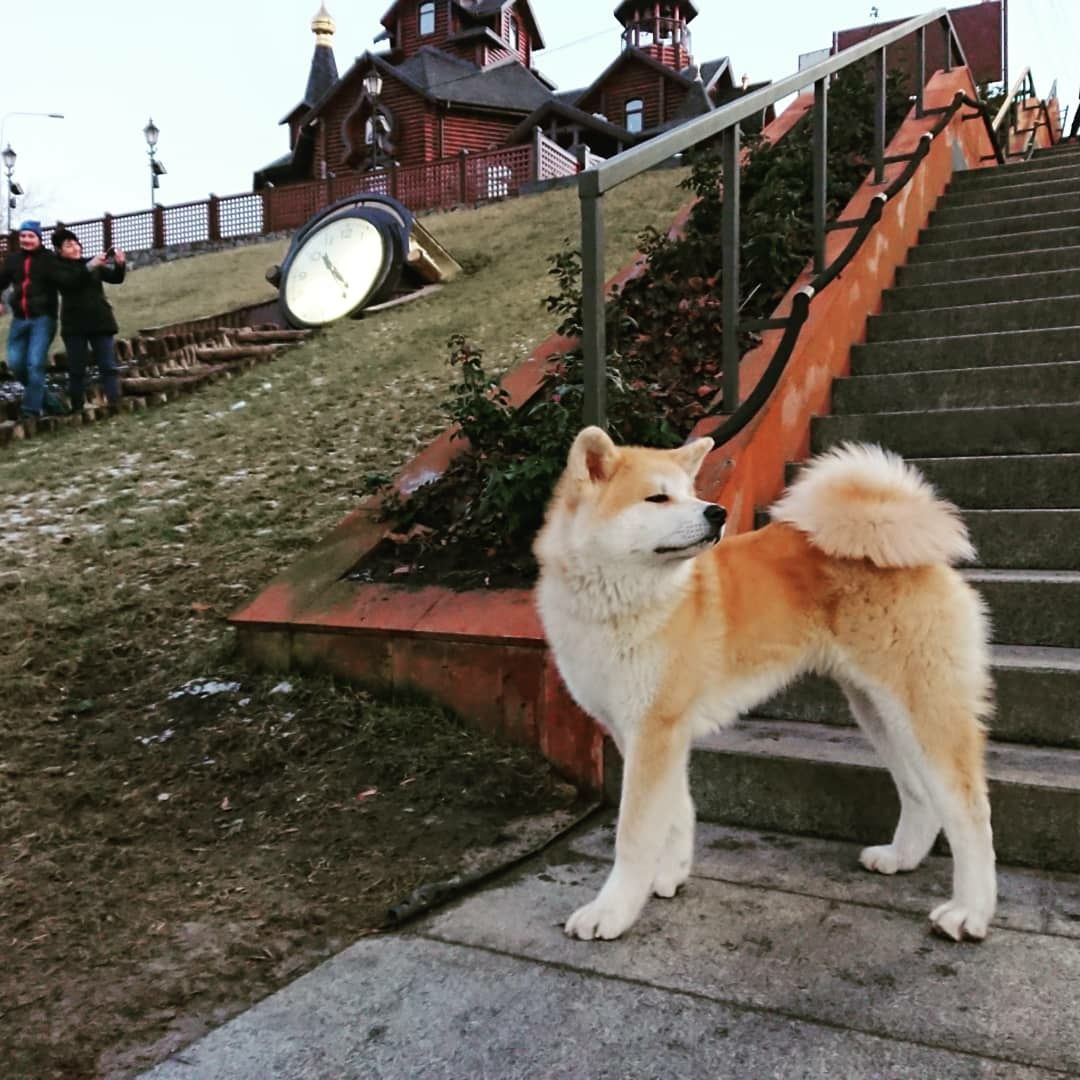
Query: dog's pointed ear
(693, 454)
(592, 457)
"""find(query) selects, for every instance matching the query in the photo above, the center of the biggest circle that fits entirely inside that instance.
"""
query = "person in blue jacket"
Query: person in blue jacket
(87, 323)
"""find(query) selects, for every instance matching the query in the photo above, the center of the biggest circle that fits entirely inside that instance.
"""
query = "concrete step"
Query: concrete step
(990, 318)
(955, 388)
(1020, 429)
(1018, 172)
(979, 349)
(1063, 148)
(1022, 285)
(827, 781)
(988, 266)
(1032, 188)
(1036, 692)
(1016, 482)
(998, 227)
(1010, 539)
(1031, 607)
(1022, 481)
(1041, 205)
(1026, 539)
(938, 249)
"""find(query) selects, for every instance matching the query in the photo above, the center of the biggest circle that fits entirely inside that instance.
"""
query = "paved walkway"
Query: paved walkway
(781, 958)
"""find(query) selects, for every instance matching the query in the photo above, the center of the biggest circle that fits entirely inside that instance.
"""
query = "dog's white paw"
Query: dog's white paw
(668, 882)
(884, 859)
(603, 918)
(958, 921)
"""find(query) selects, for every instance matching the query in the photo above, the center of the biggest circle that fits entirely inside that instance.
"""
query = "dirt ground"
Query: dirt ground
(166, 869)
(178, 835)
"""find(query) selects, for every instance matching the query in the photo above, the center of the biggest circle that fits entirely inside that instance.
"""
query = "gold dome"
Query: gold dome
(322, 26)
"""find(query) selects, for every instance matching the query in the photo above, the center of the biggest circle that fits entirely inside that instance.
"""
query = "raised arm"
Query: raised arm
(115, 270)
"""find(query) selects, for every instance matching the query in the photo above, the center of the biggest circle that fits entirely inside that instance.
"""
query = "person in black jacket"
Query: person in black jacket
(34, 275)
(87, 323)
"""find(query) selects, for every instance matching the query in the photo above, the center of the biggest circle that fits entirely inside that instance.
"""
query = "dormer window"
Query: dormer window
(512, 34)
(426, 18)
(635, 115)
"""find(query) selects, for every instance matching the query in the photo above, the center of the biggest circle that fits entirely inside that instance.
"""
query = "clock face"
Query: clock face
(334, 270)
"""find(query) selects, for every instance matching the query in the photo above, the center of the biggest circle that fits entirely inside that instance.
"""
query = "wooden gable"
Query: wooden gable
(343, 114)
(482, 31)
(634, 77)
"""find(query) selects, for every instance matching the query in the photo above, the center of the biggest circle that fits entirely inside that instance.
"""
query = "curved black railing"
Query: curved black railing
(1022, 90)
(725, 122)
(800, 307)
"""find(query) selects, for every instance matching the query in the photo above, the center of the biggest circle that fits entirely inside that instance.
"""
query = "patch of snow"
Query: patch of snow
(149, 740)
(204, 688)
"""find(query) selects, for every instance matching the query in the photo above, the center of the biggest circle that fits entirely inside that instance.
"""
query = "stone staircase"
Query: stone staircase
(972, 372)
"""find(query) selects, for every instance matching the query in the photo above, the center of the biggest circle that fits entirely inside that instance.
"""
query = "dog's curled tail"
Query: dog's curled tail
(862, 502)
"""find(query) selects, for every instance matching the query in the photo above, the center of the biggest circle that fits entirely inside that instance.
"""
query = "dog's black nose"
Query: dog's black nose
(715, 515)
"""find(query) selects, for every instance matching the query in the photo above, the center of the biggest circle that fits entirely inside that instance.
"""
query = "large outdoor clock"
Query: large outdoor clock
(344, 259)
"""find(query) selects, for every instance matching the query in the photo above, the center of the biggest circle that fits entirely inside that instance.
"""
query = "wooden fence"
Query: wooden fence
(466, 179)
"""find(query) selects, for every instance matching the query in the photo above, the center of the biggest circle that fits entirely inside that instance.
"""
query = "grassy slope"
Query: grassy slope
(188, 288)
(123, 546)
(110, 534)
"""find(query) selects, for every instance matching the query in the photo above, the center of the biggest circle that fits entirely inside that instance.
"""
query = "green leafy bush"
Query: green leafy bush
(474, 525)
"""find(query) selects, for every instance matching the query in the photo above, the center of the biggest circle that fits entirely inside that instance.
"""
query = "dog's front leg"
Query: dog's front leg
(653, 782)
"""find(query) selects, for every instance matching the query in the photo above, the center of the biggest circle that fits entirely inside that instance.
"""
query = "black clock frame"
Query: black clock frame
(394, 223)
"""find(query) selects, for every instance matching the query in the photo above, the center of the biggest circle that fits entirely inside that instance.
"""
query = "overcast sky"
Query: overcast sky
(217, 75)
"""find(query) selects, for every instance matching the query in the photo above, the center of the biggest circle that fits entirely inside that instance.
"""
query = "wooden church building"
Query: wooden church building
(454, 75)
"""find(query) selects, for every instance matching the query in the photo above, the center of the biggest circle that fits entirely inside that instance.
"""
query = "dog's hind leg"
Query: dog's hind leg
(955, 775)
(919, 821)
(938, 742)
(678, 852)
(653, 791)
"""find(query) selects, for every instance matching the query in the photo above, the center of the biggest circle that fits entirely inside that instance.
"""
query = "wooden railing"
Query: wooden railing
(465, 179)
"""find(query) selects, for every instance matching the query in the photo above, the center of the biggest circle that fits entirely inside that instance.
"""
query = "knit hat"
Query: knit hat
(60, 234)
(31, 226)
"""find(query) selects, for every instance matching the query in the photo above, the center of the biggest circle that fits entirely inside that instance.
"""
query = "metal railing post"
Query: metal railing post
(879, 116)
(821, 172)
(593, 336)
(729, 243)
(920, 76)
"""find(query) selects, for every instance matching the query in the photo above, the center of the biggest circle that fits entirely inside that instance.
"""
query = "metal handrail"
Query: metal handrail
(1023, 81)
(1025, 85)
(725, 122)
(800, 304)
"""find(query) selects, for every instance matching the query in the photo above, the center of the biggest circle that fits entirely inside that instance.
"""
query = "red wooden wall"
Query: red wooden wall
(462, 131)
(661, 96)
(407, 35)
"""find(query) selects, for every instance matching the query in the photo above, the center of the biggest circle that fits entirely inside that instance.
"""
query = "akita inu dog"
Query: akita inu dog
(662, 634)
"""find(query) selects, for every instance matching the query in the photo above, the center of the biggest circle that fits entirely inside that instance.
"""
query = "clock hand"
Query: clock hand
(334, 270)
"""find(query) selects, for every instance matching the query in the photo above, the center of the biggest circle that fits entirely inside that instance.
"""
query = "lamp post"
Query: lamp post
(9, 157)
(373, 86)
(151, 133)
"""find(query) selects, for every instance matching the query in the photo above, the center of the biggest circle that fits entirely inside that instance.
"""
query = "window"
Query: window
(499, 178)
(635, 114)
(426, 16)
(512, 34)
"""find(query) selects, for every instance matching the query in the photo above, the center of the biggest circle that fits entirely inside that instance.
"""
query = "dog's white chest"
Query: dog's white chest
(611, 679)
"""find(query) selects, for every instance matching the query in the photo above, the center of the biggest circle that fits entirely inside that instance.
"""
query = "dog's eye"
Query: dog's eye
(657, 498)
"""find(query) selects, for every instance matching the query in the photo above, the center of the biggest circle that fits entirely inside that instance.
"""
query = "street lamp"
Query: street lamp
(9, 157)
(373, 85)
(151, 133)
